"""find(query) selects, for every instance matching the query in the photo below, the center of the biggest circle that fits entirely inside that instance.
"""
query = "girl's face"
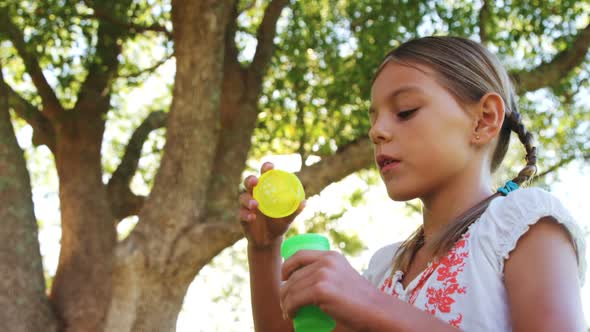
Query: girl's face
(417, 121)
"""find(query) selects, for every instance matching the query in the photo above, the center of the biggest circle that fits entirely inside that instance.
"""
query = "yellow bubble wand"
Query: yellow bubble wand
(278, 193)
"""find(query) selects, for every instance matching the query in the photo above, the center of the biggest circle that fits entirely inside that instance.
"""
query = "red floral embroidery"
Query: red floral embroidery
(456, 322)
(386, 284)
(438, 298)
(425, 276)
(441, 298)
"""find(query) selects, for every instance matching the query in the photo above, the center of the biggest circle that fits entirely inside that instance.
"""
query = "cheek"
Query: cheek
(441, 145)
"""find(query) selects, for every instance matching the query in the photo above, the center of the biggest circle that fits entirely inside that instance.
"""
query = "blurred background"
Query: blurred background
(127, 127)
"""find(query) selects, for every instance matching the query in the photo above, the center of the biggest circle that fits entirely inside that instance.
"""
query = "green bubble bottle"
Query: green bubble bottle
(309, 318)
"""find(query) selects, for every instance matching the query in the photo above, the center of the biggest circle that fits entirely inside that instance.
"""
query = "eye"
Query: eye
(406, 114)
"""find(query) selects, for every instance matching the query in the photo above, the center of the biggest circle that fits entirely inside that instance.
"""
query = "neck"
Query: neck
(453, 198)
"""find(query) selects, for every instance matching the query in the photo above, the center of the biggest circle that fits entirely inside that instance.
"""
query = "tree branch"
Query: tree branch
(51, 105)
(265, 36)
(557, 166)
(201, 242)
(149, 69)
(43, 133)
(231, 50)
(234, 84)
(131, 27)
(94, 94)
(484, 18)
(550, 72)
(128, 165)
(239, 99)
(351, 158)
(123, 201)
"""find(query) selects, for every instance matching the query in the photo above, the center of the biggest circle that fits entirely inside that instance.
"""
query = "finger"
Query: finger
(267, 166)
(302, 206)
(304, 294)
(299, 259)
(300, 278)
(248, 202)
(250, 182)
(246, 215)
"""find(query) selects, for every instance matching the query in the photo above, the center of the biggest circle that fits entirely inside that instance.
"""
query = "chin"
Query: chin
(401, 195)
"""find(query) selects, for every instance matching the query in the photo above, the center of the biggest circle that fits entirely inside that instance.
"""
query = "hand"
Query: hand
(326, 279)
(260, 230)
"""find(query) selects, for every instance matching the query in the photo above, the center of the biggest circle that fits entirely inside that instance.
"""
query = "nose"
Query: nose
(380, 132)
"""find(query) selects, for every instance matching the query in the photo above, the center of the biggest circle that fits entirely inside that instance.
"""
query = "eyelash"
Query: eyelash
(406, 114)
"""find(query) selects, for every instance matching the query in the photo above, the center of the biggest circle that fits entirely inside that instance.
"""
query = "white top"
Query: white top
(466, 288)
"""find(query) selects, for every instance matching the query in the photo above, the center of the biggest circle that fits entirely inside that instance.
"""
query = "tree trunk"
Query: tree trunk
(156, 281)
(160, 303)
(143, 299)
(82, 286)
(22, 286)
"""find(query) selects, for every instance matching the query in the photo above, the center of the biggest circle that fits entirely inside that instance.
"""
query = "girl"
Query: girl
(443, 109)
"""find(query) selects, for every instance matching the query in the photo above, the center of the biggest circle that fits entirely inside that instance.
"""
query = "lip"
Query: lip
(390, 167)
(381, 158)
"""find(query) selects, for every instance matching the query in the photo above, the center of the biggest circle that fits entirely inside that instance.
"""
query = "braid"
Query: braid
(515, 124)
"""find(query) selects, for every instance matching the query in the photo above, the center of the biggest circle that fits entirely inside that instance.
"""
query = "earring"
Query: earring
(477, 137)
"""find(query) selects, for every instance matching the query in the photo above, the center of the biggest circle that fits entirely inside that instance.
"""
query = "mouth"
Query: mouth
(389, 166)
(387, 163)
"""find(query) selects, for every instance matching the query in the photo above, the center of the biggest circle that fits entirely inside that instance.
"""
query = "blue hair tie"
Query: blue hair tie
(508, 187)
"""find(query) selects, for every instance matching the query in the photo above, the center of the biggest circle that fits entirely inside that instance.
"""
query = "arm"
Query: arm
(396, 315)
(265, 274)
(546, 256)
(325, 278)
(265, 236)
(552, 303)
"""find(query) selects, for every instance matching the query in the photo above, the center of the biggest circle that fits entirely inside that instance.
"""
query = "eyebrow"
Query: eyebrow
(395, 93)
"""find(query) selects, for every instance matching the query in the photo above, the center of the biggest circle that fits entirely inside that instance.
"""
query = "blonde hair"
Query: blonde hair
(468, 71)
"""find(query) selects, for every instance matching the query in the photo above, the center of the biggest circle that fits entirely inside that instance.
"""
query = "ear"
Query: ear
(489, 117)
